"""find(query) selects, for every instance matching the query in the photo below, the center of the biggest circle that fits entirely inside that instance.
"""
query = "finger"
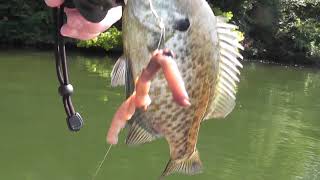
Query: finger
(87, 36)
(156, 52)
(68, 31)
(77, 26)
(142, 98)
(174, 79)
(143, 85)
(54, 3)
(162, 59)
(77, 21)
(74, 18)
(124, 113)
(113, 15)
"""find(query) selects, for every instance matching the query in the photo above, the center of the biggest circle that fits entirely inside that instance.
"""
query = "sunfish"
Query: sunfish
(207, 53)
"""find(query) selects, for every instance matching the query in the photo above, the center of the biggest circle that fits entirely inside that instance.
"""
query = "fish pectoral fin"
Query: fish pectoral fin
(118, 74)
(189, 166)
(139, 134)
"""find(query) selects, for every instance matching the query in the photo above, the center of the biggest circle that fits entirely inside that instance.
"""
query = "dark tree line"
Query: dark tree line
(25, 23)
(277, 30)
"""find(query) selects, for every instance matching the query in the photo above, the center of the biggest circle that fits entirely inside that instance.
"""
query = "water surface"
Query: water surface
(273, 133)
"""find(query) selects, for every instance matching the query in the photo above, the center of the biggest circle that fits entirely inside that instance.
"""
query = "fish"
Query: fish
(207, 54)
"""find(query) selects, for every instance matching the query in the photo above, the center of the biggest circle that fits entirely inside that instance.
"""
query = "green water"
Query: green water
(273, 133)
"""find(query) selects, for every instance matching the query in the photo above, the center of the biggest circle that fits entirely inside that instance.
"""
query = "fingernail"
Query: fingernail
(186, 103)
(186, 94)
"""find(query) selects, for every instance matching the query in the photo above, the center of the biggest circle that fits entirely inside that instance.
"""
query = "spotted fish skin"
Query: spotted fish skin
(192, 34)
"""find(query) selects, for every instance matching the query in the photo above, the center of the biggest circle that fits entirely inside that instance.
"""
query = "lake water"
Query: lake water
(273, 133)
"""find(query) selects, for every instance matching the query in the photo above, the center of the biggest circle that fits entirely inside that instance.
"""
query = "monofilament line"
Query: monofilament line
(160, 24)
(100, 165)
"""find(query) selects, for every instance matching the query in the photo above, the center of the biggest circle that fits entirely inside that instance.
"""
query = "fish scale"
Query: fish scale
(206, 56)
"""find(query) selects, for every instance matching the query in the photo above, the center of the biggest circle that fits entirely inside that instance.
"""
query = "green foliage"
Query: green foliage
(301, 26)
(228, 15)
(218, 12)
(286, 30)
(305, 34)
(273, 29)
(25, 23)
(108, 40)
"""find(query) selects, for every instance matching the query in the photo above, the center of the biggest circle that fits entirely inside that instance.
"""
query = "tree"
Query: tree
(25, 23)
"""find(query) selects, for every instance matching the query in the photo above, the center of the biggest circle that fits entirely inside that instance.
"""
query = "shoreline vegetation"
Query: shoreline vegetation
(114, 54)
(278, 31)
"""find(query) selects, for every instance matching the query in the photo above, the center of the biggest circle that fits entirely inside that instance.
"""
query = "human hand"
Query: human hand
(161, 59)
(80, 28)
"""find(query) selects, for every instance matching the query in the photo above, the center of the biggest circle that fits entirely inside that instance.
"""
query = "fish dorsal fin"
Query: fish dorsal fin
(226, 87)
(118, 74)
(189, 166)
(138, 134)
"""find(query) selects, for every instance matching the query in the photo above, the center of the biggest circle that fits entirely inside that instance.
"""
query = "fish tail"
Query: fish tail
(188, 166)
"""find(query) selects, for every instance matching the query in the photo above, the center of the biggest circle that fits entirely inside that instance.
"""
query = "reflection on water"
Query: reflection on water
(102, 68)
(273, 133)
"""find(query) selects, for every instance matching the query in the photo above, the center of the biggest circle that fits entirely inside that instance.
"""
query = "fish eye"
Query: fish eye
(182, 24)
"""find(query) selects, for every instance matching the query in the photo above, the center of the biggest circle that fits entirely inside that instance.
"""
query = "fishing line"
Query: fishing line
(162, 36)
(160, 24)
(101, 163)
